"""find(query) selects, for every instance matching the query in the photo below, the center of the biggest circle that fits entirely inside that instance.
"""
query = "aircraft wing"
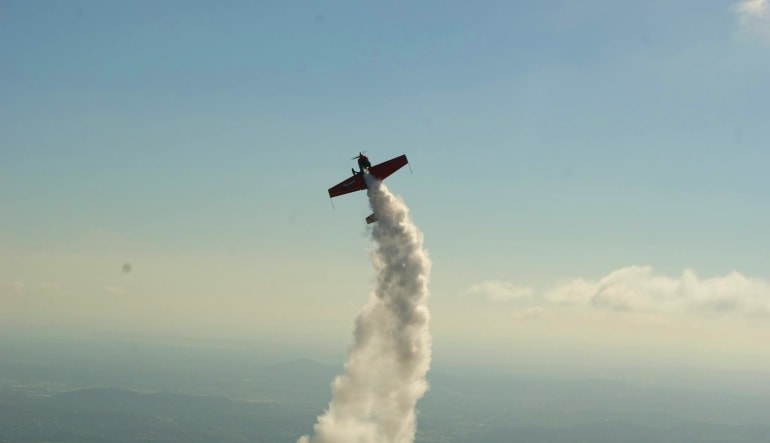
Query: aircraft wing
(386, 168)
(380, 172)
(352, 184)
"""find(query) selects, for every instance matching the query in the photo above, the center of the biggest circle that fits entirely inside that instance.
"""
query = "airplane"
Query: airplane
(357, 182)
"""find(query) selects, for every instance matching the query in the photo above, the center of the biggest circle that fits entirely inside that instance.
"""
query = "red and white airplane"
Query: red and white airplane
(357, 182)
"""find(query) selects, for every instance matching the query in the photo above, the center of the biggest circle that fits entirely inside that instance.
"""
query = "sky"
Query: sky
(591, 178)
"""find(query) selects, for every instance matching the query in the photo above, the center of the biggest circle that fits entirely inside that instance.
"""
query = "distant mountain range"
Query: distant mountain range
(195, 399)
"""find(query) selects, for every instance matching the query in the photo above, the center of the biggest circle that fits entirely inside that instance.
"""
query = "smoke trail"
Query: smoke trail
(374, 400)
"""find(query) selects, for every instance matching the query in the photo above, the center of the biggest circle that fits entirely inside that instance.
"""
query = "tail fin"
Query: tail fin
(371, 219)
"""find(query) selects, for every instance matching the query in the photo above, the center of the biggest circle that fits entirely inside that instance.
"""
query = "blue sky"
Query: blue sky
(549, 141)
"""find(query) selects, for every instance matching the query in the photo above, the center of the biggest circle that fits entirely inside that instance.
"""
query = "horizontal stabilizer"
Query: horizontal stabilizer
(371, 219)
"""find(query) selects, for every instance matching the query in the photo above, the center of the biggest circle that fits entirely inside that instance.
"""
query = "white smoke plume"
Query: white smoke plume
(374, 400)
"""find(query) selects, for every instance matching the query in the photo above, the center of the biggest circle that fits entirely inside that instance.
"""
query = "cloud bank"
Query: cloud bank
(752, 9)
(754, 15)
(641, 289)
(500, 291)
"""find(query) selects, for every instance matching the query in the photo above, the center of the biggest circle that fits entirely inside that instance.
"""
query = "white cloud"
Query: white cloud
(576, 292)
(48, 286)
(752, 8)
(14, 287)
(500, 291)
(114, 290)
(754, 15)
(529, 313)
(639, 288)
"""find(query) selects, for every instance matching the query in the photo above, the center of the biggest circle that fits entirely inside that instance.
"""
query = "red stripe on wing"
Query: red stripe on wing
(352, 184)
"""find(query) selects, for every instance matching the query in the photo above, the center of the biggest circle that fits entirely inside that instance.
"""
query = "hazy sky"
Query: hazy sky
(590, 176)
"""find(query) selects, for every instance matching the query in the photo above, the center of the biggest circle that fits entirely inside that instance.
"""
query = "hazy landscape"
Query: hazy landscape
(548, 221)
(127, 392)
